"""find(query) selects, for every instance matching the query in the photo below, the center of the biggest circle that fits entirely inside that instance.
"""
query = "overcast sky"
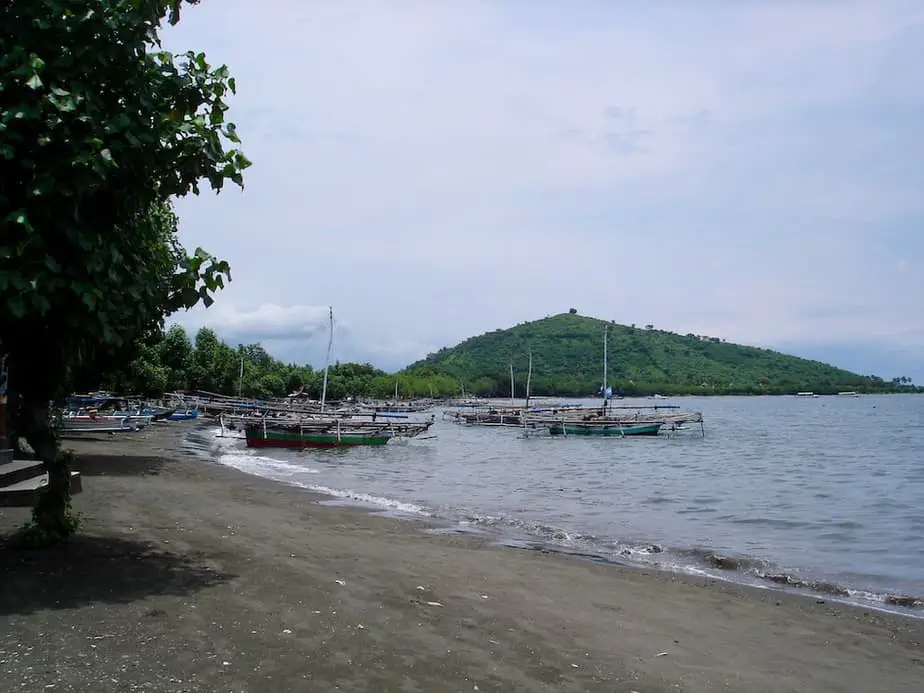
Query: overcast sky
(436, 169)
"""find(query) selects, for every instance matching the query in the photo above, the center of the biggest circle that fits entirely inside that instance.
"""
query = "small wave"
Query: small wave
(268, 467)
(771, 522)
(819, 586)
(367, 499)
(657, 500)
(726, 561)
(530, 527)
(834, 589)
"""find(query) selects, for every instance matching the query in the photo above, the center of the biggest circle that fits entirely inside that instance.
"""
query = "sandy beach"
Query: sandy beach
(189, 576)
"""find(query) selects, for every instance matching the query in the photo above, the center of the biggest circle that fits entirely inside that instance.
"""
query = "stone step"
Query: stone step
(6, 454)
(25, 493)
(14, 471)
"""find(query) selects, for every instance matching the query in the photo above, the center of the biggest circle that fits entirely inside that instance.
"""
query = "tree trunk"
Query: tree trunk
(51, 514)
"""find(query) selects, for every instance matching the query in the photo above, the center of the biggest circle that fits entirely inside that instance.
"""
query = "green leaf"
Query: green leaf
(17, 306)
(34, 82)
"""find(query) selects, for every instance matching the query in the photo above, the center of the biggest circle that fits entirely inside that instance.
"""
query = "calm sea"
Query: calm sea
(823, 495)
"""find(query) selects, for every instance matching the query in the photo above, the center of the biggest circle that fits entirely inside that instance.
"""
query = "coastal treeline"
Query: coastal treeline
(174, 361)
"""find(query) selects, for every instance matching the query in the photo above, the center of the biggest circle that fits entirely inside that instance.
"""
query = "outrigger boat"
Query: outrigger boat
(603, 428)
(329, 433)
(326, 430)
(511, 416)
(90, 423)
(605, 421)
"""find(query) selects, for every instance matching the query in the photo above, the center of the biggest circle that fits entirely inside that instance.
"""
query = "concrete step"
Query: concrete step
(14, 471)
(25, 493)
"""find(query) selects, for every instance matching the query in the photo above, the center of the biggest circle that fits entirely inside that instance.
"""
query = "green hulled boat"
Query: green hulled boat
(259, 436)
(600, 428)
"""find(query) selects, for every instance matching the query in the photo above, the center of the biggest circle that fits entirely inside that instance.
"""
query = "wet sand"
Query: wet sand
(189, 576)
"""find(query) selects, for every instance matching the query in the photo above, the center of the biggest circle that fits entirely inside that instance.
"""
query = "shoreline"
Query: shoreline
(690, 561)
(197, 573)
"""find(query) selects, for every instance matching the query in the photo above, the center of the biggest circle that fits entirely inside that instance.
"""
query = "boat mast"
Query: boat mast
(605, 400)
(240, 385)
(529, 379)
(512, 386)
(330, 343)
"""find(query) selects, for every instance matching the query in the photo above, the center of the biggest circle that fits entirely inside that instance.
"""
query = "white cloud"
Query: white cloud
(300, 333)
(436, 170)
(268, 321)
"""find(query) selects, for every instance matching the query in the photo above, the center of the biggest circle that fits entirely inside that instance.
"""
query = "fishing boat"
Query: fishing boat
(183, 415)
(605, 420)
(329, 433)
(88, 424)
(322, 434)
(487, 416)
(325, 429)
(603, 428)
(157, 412)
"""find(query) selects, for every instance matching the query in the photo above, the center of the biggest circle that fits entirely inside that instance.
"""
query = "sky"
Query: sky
(435, 170)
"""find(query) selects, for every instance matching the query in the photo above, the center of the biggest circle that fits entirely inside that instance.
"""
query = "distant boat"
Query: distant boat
(600, 421)
(603, 428)
(806, 394)
(847, 394)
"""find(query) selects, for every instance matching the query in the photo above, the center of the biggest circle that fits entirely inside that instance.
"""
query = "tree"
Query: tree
(99, 130)
(177, 357)
(573, 311)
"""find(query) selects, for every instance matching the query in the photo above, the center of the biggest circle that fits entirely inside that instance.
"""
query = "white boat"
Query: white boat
(79, 424)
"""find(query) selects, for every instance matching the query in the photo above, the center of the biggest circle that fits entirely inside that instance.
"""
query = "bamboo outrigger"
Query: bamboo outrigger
(605, 421)
(323, 428)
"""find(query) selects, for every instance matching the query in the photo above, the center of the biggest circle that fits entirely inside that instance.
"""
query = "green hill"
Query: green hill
(567, 352)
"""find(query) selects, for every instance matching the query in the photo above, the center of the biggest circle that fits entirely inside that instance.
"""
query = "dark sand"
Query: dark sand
(189, 576)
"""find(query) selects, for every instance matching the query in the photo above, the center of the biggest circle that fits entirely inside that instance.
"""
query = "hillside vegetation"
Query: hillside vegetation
(567, 352)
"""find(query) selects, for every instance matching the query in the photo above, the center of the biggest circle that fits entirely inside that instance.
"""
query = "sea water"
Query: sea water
(822, 495)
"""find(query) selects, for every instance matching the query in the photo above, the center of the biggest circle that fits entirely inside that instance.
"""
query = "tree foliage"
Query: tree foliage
(99, 130)
(567, 354)
(173, 361)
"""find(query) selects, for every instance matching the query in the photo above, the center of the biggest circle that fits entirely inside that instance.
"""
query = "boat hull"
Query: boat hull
(309, 439)
(605, 430)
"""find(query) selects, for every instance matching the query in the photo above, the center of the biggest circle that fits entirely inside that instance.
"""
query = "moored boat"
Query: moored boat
(329, 433)
(183, 414)
(603, 428)
(328, 437)
(82, 424)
